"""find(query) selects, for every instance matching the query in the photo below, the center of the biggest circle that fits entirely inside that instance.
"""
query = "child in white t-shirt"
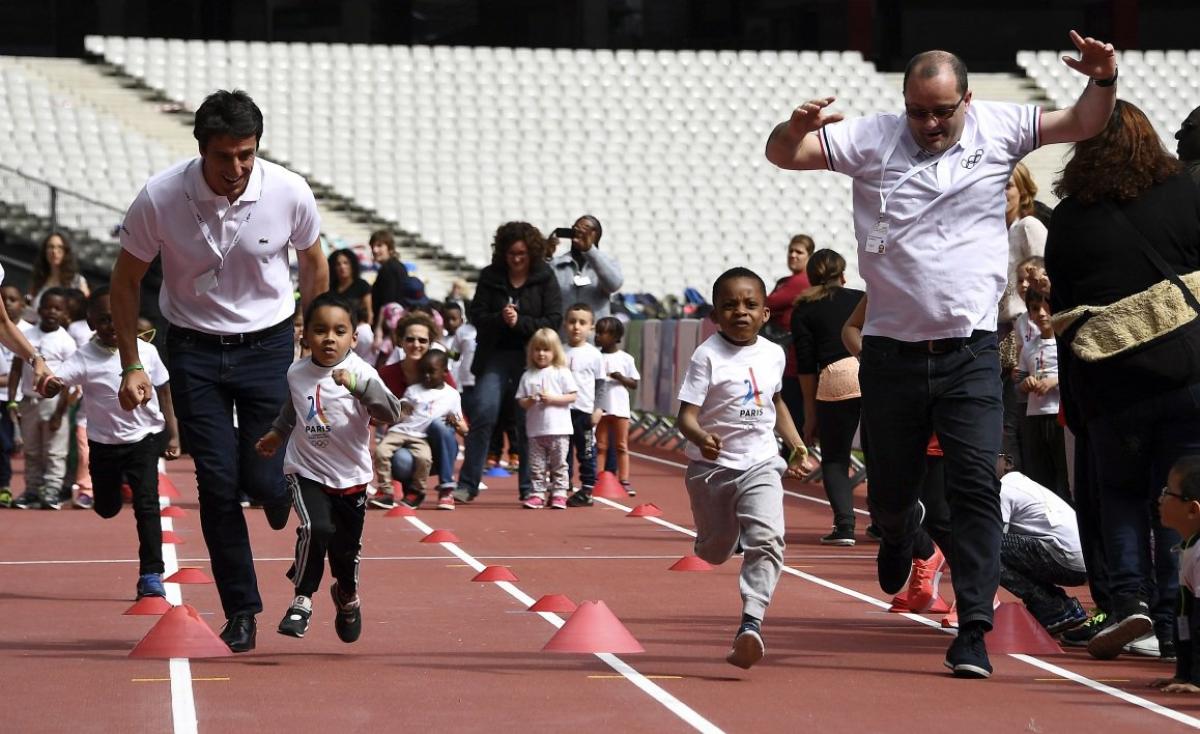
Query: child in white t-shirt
(546, 392)
(327, 426)
(363, 334)
(587, 366)
(1044, 454)
(1179, 507)
(620, 376)
(730, 408)
(14, 307)
(425, 402)
(124, 446)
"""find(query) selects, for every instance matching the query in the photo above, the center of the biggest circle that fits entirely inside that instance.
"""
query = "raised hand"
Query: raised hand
(810, 116)
(1097, 59)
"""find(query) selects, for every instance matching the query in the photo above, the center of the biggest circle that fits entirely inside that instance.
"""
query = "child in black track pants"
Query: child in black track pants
(334, 397)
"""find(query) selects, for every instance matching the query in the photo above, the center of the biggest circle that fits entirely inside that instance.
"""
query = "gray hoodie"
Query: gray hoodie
(601, 273)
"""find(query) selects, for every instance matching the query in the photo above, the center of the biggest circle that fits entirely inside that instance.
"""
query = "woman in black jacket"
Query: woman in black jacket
(516, 295)
(1128, 214)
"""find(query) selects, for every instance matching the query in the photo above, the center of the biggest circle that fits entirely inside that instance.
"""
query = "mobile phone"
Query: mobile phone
(565, 233)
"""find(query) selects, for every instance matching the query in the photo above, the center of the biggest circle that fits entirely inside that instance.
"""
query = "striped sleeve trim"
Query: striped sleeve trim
(1037, 129)
(823, 141)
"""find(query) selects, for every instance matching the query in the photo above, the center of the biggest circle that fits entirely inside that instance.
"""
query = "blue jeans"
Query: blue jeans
(497, 384)
(907, 395)
(208, 381)
(1132, 453)
(442, 444)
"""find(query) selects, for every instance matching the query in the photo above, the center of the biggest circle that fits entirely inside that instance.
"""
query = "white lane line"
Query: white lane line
(1028, 659)
(258, 559)
(183, 702)
(672, 704)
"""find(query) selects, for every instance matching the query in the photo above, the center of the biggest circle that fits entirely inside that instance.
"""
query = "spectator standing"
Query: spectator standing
(345, 279)
(584, 273)
(55, 267)
(391, 274)
(781, 300)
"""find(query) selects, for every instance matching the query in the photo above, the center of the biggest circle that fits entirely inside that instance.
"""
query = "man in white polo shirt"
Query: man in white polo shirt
(929, 220)
(223, 223)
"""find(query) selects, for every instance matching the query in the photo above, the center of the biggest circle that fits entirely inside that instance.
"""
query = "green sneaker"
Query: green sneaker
(6, 498)
(1081, 635)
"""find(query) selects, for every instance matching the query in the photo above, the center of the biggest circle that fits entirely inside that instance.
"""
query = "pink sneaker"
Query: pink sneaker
(924, 582)
(445, 500)
(558, 502)
(533, 502)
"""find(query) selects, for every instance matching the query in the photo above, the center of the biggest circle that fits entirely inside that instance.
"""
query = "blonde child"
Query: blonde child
(620, 376)
(546, 392)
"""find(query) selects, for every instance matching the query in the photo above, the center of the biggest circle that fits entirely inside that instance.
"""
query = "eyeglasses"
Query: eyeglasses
(415, 340)
(1166, 492)
(941, 113)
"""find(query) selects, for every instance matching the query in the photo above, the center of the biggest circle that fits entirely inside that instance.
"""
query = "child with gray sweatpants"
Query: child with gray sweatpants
(730, 409)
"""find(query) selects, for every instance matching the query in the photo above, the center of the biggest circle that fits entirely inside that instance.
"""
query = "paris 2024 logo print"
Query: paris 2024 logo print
(751, 407)
(316, 423)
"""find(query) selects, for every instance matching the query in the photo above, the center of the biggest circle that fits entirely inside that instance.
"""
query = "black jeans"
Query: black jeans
(1087, 515)
(331, 525)
(908, 395)
(494, 388)
(1045, 454)
(112, 465)
(208, 382)
(836, 423)
(7, 438)
(1030, 569)
(582, 445)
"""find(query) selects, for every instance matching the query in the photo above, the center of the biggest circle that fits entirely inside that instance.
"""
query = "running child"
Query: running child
(124, 446)
(334, 397)
(546, 392)
(621, 376)
(587, 366)
(730, 410)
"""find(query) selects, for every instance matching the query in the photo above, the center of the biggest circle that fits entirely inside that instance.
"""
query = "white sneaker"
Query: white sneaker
(482, 486)
(1146, 646)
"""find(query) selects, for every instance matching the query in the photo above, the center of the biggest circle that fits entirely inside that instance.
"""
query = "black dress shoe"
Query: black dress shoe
(277, 514)
(239, 632)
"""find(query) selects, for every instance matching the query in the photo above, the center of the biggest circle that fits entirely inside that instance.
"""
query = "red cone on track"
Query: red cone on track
(1015, 631)
(149, 606)
(173, 511)
(189, 575)
(553, 603)
(180, 634)
(166, 488)
(440, 536)
(495, 573)
(900, 604)
(593, 628)
(647, 510)
(691, 563)
(608, 486)
(170, 538)
(400, 511)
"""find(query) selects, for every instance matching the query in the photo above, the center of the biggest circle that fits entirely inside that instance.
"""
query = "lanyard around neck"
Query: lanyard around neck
(206, 231)
(887, 156)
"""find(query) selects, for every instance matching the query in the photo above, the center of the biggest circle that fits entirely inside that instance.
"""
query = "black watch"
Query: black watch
(1107, 82)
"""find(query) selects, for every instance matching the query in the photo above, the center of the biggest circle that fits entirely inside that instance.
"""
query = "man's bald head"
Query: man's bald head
(928, 64)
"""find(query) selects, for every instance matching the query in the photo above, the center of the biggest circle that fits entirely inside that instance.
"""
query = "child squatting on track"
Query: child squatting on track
(334, 397)
(730, 409)
(124, 444)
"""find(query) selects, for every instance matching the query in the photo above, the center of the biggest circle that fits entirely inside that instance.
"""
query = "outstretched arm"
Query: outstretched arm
(1088, 116)
(794, 145)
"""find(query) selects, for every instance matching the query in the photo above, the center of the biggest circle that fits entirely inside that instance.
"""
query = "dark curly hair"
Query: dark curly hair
(509, 234)
(41, 265)
(1122, 161)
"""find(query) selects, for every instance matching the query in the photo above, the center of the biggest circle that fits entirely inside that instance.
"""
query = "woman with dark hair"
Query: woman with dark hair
(516, 295)
(1122, 257)
(345, 279)
(828, 378)
(54, 267)
(787, 289)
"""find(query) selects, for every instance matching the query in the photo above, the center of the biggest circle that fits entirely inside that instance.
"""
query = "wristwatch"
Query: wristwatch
(1107, 82)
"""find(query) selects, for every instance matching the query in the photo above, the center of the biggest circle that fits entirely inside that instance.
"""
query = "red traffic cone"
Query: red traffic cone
(440, 536)
(950, 621)
(173, 511)
(180, 633)
(1015, 631)
(149, 606)
(166, 488)
(691, 563)
(553, 603)
(400, 511)
(189, 575)
(900, 605)
(170, 538)
(495, 573)
(608, 486)
(648, 509)
(593, 628)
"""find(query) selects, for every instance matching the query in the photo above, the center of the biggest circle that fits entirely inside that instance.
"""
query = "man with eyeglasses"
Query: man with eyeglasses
(928, 197)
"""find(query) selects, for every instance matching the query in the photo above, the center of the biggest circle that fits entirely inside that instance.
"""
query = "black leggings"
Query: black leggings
(136, 463)
(836, 423)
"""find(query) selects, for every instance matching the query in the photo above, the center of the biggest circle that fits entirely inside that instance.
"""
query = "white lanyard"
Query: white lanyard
(206, 232)
(887, 155)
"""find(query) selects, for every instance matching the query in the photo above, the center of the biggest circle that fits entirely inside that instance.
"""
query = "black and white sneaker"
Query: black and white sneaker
(348, 622)
(748, 647)
(295, 621)
(839, 536)
(967, 656)
(1130, 621)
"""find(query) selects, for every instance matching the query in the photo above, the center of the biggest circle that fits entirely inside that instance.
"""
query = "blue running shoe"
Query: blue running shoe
(150, 584)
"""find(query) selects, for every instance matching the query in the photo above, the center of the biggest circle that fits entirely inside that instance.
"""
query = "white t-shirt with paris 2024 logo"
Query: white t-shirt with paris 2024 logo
(735, 388)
